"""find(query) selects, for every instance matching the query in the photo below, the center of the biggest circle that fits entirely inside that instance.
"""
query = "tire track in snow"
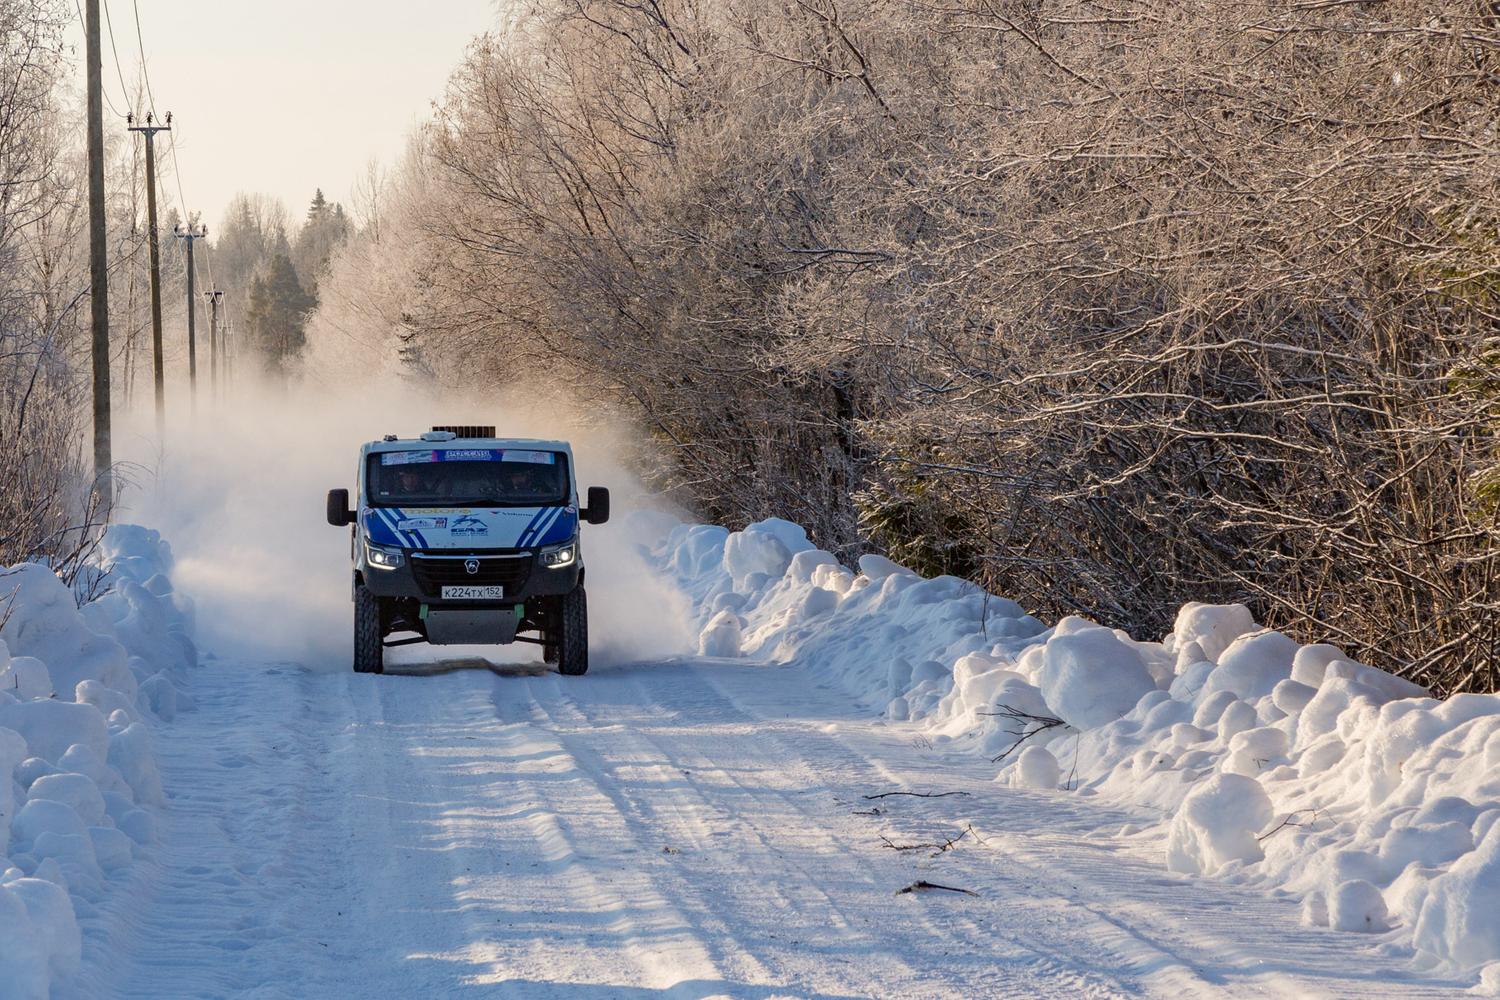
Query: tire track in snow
(645, 929)
(650, 826)
(780, 847)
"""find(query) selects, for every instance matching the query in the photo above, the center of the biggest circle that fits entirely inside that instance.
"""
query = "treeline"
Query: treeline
(1105, 306)
(271, 269)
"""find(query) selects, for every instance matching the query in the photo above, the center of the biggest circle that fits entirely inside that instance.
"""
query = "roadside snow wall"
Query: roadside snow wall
(80, 691)
(1268, 762)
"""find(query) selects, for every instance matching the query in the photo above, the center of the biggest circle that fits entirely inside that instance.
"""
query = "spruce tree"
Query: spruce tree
(325, 228)
(277, 314)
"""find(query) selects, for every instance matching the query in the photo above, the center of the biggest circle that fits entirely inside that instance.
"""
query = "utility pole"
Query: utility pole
(213, 296)
(98, 264)
(158, 367)
(190, 232)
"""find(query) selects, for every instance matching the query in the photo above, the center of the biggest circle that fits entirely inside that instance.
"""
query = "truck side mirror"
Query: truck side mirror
(597, 512)
(339, 513)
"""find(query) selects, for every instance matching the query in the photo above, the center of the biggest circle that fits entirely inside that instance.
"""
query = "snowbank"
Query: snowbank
(1268, 762)
(80, 691)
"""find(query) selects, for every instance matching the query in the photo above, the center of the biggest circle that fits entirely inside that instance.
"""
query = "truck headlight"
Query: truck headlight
(561, 556)
(382, 558)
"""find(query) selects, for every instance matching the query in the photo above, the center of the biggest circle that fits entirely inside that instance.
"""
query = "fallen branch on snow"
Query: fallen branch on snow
(918, 795)
(922, 885)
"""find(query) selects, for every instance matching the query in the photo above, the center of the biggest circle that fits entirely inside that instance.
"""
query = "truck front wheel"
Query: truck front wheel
(369, 646)
(572, 636)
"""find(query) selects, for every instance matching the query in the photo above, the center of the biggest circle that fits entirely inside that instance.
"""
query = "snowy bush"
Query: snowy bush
(1218, 823)
(1037, 768)
(1357, 905)
(81, 689)
(721, 636)
(1091, 677)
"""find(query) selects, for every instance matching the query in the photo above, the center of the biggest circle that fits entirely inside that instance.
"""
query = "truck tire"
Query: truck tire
(573, 634)
(369, 645)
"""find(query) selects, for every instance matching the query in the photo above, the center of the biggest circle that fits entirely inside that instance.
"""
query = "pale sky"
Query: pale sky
(283, 97)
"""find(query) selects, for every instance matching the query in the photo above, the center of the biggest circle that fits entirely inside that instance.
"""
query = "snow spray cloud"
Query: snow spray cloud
(238, 490)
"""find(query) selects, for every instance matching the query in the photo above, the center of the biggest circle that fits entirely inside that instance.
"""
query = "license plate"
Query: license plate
(473, 593)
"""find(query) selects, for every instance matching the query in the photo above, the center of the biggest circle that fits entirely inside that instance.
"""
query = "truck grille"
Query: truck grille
(435, 572)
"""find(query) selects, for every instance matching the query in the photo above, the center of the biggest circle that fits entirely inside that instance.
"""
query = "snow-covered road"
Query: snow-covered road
(694, 826)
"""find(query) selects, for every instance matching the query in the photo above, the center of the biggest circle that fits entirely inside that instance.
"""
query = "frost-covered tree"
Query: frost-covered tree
(43, 296)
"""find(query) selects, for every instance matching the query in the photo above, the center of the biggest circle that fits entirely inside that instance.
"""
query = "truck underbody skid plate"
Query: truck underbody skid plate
(459, 626)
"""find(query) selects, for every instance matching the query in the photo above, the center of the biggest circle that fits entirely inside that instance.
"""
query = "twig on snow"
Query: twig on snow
(1042, 723)
(935, 848)
(1288, 823)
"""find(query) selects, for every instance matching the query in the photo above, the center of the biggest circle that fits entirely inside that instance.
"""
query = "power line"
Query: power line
(102, 92)
(182, 201)
(172, 146)
(109, 26)
(141, 46)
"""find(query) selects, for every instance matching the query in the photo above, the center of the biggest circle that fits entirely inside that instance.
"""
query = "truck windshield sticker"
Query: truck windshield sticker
(468, 455)
(407, 457)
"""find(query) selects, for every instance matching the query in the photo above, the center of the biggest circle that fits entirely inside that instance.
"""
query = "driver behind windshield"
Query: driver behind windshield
(520, 483)
(409, 481)
(416, 481)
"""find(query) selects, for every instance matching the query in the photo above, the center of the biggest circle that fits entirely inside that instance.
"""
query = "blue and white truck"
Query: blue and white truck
(461, 537)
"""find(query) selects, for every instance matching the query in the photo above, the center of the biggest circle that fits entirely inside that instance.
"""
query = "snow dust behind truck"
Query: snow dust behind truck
(460, 537)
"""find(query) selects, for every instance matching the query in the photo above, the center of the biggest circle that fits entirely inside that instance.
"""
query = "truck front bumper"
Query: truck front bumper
(422, 575)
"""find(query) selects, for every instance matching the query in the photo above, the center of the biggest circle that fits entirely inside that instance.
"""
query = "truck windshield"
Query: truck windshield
(468, 477)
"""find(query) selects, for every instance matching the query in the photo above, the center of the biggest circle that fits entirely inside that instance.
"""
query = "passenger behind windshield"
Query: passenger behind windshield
(468, 483)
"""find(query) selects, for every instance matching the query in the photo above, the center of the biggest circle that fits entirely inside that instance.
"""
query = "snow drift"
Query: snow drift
(80, 691)
(1265, 761)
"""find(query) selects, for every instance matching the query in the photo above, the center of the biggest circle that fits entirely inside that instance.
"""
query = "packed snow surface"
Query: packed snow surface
(1223, 812)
